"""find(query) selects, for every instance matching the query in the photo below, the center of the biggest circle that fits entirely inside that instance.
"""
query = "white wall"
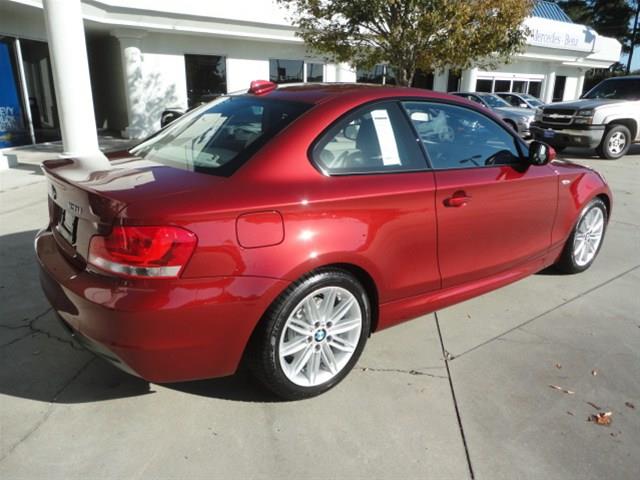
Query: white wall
(163, 79)
(22, 21)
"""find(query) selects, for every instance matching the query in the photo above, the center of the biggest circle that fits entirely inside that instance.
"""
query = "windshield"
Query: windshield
(533, 101)
(494, 101)
(616, 89)
(221, 136)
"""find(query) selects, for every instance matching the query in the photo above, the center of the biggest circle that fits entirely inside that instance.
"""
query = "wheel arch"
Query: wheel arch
(362, 275)
(630, 123)
(607, 202)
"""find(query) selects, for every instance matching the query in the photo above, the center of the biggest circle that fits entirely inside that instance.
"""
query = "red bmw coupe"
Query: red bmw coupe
(285, 225)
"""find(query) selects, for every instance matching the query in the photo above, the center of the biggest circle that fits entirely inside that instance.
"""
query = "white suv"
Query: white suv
(606, 118)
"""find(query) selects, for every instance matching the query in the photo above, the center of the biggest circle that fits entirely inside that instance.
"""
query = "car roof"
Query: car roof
(316, 93)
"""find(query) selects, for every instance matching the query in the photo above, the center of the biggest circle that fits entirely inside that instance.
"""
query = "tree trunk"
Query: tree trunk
(405, 77)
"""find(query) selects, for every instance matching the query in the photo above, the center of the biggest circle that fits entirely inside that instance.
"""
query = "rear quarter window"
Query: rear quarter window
(373, 139)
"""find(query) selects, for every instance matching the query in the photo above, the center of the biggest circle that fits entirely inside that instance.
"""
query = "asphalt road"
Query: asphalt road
(464, 393)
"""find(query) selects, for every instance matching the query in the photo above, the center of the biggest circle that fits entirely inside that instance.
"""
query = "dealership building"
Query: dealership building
(148, 55)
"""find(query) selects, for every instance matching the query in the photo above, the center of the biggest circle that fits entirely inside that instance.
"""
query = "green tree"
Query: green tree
(578, 10)
(611, 18)
(408, 35)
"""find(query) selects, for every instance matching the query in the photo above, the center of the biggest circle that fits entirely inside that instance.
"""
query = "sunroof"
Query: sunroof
(550, 10)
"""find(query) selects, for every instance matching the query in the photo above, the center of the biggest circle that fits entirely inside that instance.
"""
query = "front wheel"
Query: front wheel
(615, 143)
(312, 336)
(585, 240)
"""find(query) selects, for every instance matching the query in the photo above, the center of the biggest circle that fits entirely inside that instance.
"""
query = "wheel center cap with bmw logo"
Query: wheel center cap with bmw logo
(320, 335)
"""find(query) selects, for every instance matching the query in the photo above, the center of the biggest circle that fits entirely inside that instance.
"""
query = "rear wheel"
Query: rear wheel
(585, 241)
(615, 143)
(312, 335)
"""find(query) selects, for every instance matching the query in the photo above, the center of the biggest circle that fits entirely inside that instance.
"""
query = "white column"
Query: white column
(468, 80)
(345, 73)
(580, 84)
(440, 81)
(548, 85)
(330, 74)
(130, 51)
(68, 51)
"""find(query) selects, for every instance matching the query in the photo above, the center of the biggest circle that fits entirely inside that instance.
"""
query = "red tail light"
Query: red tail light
(158, 252)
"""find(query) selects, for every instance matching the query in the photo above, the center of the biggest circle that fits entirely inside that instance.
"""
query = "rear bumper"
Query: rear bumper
(568, 137)
(160, 330)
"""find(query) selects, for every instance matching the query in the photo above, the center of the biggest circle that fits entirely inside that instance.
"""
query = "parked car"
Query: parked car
(283, 226)
(605, 118)
(516, 117)
(171, 114)
(521, 100)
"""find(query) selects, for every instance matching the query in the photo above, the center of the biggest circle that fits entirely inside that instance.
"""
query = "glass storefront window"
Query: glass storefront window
(502, 86)
(12, 127)
(519, 86)
(423, 80)
(534, 89)
(558, 88)
(453, 80)
(484, 85)
(314, 72)
(370, 75)
(206, 78)
(286, 71)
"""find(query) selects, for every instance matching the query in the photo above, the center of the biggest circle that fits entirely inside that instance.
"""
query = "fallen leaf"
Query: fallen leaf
(601, 418)
(594, 372)
(630, 405)
(568, 392)
(558, 366)
(570, 413)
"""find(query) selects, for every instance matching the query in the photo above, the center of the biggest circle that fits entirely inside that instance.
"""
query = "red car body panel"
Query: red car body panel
(278, 218)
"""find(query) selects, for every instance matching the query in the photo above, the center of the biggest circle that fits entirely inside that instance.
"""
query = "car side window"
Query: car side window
(458, 137)
(473, 98)
(374, 139)
(513, 100)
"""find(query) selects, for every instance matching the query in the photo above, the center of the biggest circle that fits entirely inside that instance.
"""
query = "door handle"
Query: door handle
(458, 199)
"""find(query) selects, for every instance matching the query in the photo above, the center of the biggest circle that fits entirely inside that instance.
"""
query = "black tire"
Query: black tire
(606, 148)
(263, 356)
(567, 262)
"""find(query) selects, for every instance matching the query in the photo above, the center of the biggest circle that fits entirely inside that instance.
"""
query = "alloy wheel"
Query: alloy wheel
(617, 142)
(588, 237)
(320, 336)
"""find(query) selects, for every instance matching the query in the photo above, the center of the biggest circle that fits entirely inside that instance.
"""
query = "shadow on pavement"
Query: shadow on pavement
(39, 360)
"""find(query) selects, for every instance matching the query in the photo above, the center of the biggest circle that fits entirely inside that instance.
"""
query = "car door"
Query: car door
(494, 210)
(382, 185)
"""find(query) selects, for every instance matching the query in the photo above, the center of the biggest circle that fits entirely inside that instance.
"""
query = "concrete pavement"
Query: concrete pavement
(404, 412)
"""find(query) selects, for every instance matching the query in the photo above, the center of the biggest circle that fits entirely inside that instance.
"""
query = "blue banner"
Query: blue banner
(12, 131)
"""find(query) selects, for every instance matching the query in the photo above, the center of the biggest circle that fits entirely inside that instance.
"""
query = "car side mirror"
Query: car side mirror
(541, 153)
(169, 116)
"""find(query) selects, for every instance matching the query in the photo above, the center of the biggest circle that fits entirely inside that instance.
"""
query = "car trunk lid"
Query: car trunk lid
(85, 204)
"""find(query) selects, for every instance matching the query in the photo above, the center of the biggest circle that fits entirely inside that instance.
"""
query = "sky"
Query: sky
(635, 62)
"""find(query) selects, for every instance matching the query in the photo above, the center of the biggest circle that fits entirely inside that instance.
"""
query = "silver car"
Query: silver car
(518, 118)
(524, 100)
